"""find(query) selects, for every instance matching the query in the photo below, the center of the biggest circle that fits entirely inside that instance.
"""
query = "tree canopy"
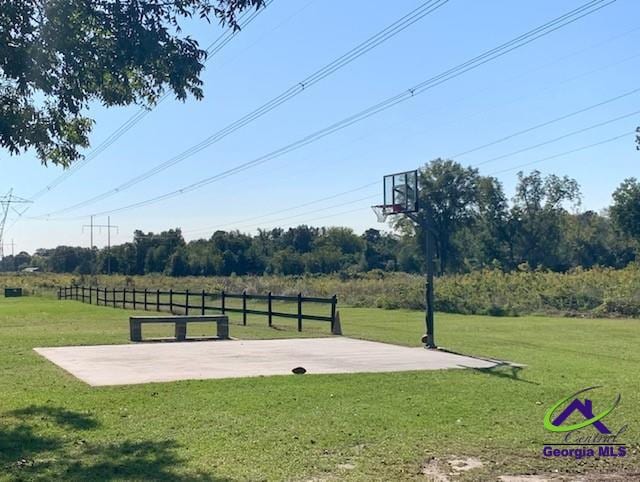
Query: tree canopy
(478, 228)
(57, 56)
(626, 207)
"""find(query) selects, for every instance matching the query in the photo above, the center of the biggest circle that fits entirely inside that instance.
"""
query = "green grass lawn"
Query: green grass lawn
(312, 427)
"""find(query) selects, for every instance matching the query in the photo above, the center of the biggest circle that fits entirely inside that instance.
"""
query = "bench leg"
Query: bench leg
(135, 331)
(181, 330)
(223, 328)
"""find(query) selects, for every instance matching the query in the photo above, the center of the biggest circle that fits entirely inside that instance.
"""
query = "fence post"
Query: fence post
(157, 300)
(59, 293)
(186, 301)
(299, 311)
(82, 294)
(170, 300)
(113, 295)
(222, 302)
(145, 299)
(90, 295)
(269, 308)
(124, 298)
(244, 307)
(77, 297)
(202, 308)
(334, 302)
(134, 298)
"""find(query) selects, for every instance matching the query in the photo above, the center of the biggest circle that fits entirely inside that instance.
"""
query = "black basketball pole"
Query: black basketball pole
(429, 339)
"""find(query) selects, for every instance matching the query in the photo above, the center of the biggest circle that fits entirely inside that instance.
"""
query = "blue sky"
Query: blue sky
(589, 61)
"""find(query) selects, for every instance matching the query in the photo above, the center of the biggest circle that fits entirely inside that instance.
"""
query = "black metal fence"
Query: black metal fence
(200, 302)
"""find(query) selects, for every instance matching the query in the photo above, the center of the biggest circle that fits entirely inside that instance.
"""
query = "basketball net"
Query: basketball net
(380, 213)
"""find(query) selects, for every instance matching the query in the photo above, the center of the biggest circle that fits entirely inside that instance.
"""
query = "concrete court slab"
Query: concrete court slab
(163, 362)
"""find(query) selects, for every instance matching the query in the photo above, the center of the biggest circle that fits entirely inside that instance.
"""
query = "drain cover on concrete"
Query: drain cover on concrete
(163, 362)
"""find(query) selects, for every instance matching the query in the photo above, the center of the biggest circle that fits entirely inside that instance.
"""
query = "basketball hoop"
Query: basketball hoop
(380, 213)
(400, 193)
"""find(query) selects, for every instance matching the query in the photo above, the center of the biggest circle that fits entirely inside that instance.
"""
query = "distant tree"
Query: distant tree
(485, 241)
(379, 250)
(625, 210)
(287, 262)
(592, 240)
(152, 251)
(538, 215)
(22, 260)
(341, 238)
(57, 56)
(300, 238)
(449, 195)
(324, 260)
(201, 258)
(177, 264)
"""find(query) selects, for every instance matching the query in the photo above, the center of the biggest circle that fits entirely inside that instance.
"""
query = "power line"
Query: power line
(296, 215)
(547, 123)
(555, 139)
(579, 149)
(518, 42)
(566, 153)
(280, 211)
(616, 63)
(296, 89)
(6, 203)
(245, 19)
(554, 156)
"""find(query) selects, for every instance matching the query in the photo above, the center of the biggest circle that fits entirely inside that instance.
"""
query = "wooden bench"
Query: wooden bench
(222, 322)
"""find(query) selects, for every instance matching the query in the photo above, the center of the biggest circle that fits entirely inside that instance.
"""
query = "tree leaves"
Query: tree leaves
(58, 56)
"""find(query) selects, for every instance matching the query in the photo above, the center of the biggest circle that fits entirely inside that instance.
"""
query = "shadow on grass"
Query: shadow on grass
(504, 370)
(28, 454)
(147, 460)
(59, 415)
(20, 443)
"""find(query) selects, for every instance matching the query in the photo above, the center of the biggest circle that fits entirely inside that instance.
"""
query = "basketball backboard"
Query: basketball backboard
(400, 194)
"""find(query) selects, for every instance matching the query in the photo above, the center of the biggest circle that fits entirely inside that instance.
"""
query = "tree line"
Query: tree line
(476, 227)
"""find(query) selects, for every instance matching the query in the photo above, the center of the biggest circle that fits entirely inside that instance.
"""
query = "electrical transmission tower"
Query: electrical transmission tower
(109, 227)
(6, 202)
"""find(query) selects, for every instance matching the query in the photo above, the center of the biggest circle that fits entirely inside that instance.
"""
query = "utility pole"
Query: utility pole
(5, 205)
(90, 226)
(109, 245)
(108, 227)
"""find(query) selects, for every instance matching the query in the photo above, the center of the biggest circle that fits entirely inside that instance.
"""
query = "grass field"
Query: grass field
(392, 426)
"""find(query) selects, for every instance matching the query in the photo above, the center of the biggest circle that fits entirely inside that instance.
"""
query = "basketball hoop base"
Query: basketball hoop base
(428, 342)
